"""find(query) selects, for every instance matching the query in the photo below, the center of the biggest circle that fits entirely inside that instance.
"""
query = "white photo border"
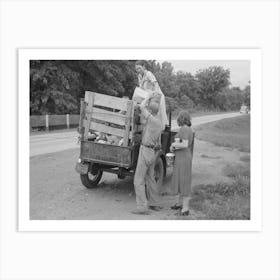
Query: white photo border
(255, 58)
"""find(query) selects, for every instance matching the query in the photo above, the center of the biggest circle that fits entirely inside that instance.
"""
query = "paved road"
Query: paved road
(54, 142)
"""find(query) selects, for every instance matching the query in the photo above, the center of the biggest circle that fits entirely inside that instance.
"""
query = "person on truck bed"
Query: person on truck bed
(148, 82)
(144, 174)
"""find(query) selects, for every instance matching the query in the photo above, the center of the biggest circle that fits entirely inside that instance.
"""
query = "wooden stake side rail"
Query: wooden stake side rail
(108, 101)
(81, 120)
(128, 123)
(112, 116)
(88, 112)
(108, 116)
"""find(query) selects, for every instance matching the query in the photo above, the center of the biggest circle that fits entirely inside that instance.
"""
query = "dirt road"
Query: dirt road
(56, 192)
(55, 142)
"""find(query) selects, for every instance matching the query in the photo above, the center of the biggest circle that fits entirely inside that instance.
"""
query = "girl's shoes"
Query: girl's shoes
(176, 207)
(155, 208)
(185, 213)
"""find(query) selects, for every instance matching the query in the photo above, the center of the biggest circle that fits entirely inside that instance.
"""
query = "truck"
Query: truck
(114, 116)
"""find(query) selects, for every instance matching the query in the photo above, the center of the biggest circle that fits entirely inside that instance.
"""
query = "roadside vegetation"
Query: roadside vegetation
(233, 133)
(194, 113)
(223, 201)
(226, 201)
(56, 86)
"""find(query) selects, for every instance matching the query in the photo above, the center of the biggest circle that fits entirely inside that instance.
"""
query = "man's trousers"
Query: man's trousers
(144, 176)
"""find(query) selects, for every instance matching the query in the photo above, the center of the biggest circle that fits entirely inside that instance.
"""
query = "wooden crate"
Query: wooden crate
(110, 115)
(107, 114)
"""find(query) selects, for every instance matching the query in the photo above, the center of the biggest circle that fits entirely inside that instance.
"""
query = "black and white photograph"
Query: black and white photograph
(139, 139)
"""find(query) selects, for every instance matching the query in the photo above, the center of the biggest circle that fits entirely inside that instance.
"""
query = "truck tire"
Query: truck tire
(90, 180)
(159, 172)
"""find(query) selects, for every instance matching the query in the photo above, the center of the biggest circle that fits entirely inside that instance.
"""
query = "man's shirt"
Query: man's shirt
(152, 128)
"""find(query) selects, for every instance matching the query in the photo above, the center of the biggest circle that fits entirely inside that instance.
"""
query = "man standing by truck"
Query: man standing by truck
(150, 145)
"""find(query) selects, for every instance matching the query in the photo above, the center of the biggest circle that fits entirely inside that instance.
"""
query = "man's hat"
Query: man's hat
(153, 108)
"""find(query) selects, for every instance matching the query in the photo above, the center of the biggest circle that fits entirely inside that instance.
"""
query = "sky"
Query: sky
(239, 69)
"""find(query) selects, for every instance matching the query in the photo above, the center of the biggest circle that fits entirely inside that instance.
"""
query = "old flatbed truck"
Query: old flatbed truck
(114, 116)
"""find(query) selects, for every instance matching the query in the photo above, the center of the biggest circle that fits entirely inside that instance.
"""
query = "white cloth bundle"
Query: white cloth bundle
(140, 94)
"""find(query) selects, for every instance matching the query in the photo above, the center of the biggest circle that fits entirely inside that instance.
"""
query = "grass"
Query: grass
(232, 132)
(225, 201)
(236, 170)
(200, 113)
(245, 158)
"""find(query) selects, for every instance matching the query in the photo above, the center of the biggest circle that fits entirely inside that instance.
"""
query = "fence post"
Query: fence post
(47, 122)
(67, 121)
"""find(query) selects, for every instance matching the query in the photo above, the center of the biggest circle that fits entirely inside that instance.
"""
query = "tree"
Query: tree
(187, 86)
(211, 81)
(186, 102)
(247, 94)
(229, 99)
(112, 77)
(53, 88)
(170, 104)
(56, 86)
(166, 78)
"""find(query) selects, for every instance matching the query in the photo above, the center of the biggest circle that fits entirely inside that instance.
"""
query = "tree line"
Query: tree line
(56, 86)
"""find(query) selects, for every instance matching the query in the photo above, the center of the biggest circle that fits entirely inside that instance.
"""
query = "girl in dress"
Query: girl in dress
(182, 171)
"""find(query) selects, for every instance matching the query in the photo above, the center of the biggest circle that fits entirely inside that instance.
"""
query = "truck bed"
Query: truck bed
(106, 154)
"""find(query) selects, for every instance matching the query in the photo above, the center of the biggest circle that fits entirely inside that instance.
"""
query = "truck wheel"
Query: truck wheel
(90, 180)
(159, 172)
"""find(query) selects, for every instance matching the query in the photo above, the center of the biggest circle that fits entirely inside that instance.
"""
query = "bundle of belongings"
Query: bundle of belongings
(156, 98)
(104, 138)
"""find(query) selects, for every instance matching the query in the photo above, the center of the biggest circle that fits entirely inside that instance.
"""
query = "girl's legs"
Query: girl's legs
(180, 200)
(183, 202)
(178, 204)
(186, 201)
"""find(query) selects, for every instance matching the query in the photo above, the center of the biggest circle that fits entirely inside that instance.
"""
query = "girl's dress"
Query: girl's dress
(182, 171)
